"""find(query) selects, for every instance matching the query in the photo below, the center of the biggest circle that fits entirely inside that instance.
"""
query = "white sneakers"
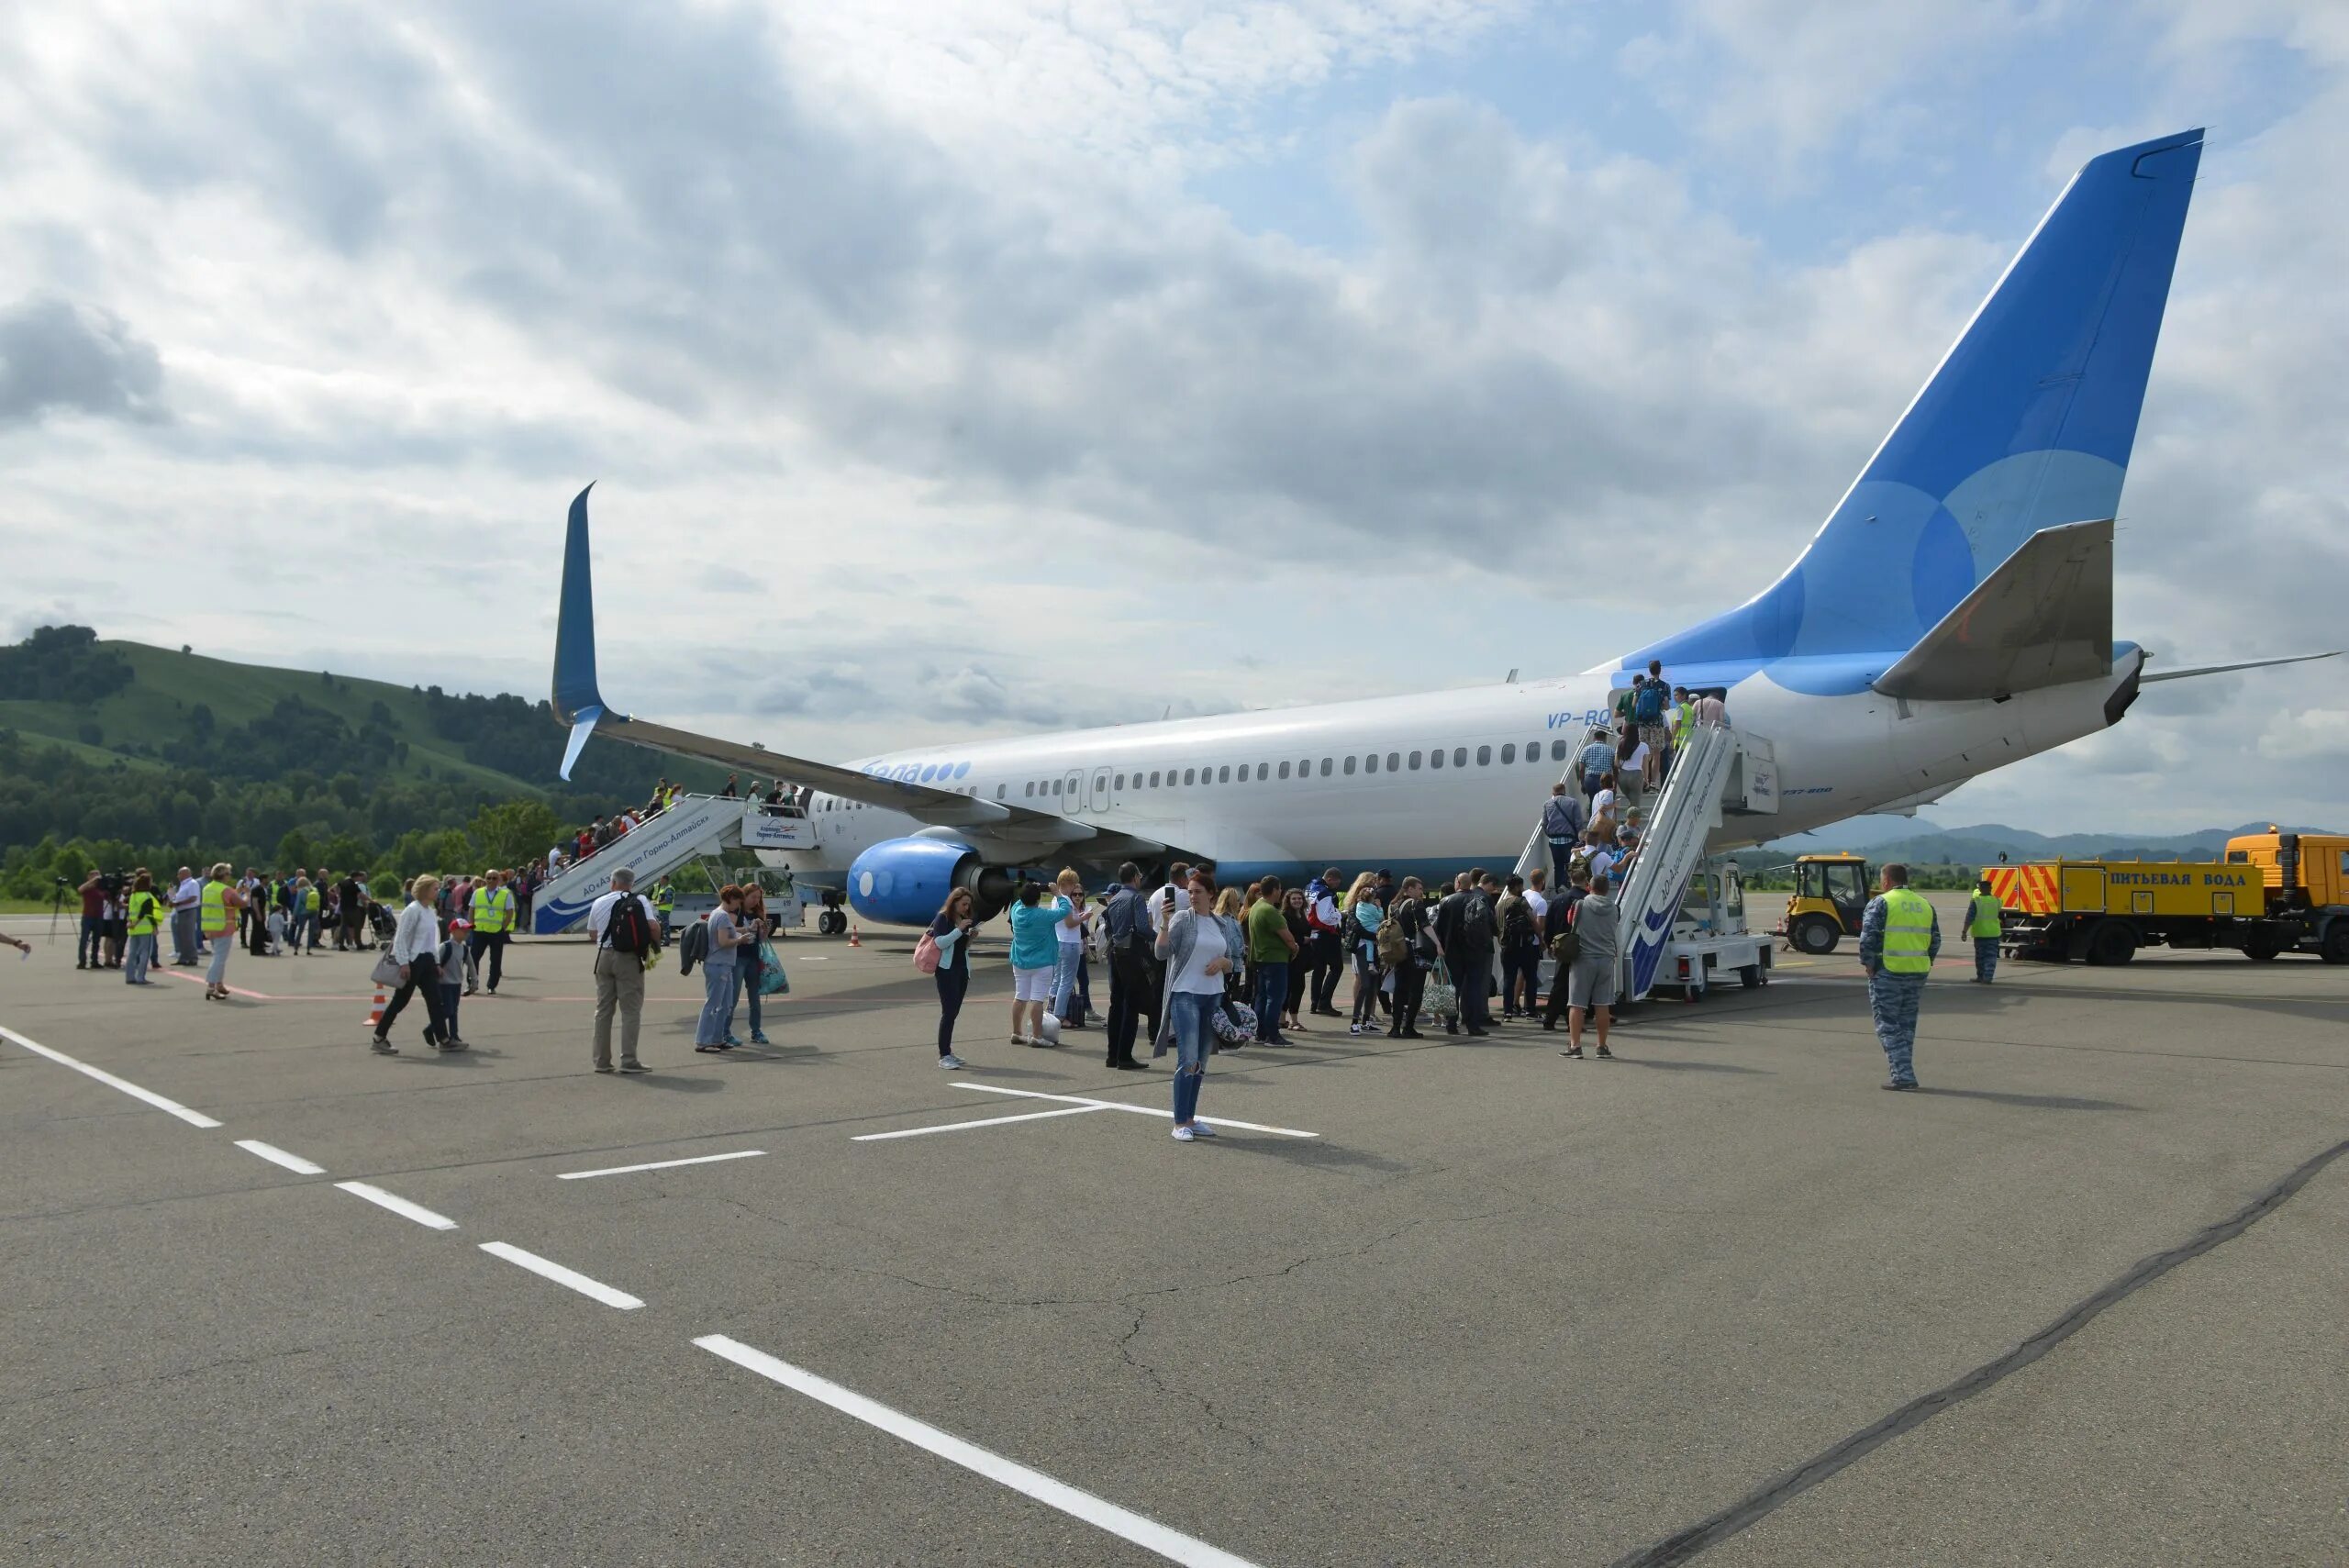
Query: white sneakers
(952, 1063)
(1184, 1135)
(1197, 1130)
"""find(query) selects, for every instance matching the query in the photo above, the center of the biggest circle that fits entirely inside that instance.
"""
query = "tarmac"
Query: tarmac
(1435, 1302)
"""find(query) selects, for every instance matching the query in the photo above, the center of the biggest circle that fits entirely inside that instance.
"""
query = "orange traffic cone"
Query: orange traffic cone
(375, 1014)
(853, 939)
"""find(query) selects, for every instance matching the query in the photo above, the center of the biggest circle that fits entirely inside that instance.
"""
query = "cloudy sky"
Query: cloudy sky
(963, 366)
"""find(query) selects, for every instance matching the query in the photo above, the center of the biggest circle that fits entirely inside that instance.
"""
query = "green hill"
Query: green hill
(150, 753)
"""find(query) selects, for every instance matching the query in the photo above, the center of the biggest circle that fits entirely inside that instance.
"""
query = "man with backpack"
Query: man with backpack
(1521, 928)
(1647, 712)
(1326, 963)
(1133, 983)
(626, 934)
(1561, 825)
(1464, 925)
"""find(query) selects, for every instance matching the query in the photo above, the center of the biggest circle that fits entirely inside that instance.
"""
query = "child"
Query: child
(276, 931)
(452, 960)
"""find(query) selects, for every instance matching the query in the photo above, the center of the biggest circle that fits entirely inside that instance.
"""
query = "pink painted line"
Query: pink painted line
(269, 997)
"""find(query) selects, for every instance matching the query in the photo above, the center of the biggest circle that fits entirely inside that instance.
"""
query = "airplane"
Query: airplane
(1951, 616)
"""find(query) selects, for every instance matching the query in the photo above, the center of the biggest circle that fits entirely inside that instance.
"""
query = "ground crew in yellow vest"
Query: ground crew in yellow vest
(491, 912)
(665, 900)
(144, 913)
(1899, 938)
(1983, 922)
(216, 908)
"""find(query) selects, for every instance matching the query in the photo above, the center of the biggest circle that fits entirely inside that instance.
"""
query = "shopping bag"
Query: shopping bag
(772, 981)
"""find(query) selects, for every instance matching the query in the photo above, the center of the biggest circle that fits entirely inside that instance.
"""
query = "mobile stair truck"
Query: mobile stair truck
(1683, 913)
(2273, 893)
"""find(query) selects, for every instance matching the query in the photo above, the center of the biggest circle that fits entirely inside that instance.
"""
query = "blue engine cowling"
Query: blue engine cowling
(902, 882)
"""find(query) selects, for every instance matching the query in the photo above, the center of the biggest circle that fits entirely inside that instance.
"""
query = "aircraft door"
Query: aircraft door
(1073, 792)
(1097, 799)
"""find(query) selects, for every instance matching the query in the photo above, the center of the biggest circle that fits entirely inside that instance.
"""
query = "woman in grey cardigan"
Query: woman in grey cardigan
(1198, 951)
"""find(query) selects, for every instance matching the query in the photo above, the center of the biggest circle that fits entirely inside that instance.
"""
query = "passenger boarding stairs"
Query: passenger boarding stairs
(694, 825)
(1717, 774)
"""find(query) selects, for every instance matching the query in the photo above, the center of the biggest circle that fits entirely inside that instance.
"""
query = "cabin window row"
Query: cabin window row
(1325, 767)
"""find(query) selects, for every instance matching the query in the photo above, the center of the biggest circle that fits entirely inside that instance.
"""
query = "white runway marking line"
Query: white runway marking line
(1123, 1523)
(277, 1156)
(659, 1165)
(983, 1121)
(194, 1119)
(593, 1289)
(398, 1204)
(1137, 1110)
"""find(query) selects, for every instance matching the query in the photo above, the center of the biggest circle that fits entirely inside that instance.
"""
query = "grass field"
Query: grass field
(169, 684)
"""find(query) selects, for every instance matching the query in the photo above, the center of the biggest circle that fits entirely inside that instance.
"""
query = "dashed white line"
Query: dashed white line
(549, 1269)
(659, 1165)
(983, 1121)
(398, 1204)
(1137, 1110)
(277, 1156)
(194, 1119)
(1123, 1523)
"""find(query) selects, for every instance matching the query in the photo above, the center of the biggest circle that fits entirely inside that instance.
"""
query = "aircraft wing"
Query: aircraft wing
(2042, 618)
(1004, 830)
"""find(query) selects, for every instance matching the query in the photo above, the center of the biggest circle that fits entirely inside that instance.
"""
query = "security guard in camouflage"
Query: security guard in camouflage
(1899, 938)
(1985, 921)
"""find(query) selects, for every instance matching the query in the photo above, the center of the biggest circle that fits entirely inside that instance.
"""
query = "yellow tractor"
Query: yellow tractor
(1829, 896)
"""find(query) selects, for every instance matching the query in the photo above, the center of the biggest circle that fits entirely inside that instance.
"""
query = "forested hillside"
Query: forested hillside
(127, 754)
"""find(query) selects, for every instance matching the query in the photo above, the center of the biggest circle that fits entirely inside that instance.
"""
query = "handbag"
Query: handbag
(387, 971)
(1443, 998)
(926, 955)
(772, 981)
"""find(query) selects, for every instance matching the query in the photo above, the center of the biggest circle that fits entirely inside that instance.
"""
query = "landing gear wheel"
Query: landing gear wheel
(1752, 977)
(2112, 941)
(1815, 935)
(830, 923)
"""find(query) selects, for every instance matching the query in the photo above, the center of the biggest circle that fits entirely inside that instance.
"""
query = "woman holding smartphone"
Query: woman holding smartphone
(1198, 952)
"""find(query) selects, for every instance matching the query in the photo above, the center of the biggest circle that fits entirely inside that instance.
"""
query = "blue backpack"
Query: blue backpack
(1649, 707)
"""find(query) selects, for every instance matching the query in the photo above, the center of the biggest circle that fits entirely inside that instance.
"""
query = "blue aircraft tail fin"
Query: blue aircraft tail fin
(577, 702)
(2026, 424)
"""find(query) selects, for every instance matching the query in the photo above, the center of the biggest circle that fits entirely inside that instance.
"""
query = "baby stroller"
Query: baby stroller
(379, 922)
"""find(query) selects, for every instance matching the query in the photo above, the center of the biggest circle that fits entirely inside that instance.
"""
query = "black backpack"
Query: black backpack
(1519, 932)
(627, 931)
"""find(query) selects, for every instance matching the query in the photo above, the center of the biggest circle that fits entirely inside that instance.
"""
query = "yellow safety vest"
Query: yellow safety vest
(1907, 932)
(491, 910)
(144, 917)
(1987, 921)
(214, 909)
(1686, 724)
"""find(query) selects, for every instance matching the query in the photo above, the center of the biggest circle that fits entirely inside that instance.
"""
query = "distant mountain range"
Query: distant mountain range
(1922, 843)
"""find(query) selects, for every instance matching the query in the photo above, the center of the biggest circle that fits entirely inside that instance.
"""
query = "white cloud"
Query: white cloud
(895, 314)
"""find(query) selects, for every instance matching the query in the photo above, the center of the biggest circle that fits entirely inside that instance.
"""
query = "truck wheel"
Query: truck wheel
(1816, 934)
(2336, 942)
(1750, 977)
(2112, 941)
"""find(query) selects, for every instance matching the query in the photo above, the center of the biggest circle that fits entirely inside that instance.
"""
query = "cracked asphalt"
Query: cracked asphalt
(1505, 1309)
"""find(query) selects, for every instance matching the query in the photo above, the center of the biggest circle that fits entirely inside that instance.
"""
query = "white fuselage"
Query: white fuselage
(1320, 801)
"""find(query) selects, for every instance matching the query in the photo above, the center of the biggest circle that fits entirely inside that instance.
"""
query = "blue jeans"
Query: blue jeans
(953, 984)
(1193, 1039)
(1272, 995)
(449, 997)
(1986, 957)
(138, 957)
(1893, 1001)
(719, 980)
(1064, 967)
(747, 959)
(90, 946)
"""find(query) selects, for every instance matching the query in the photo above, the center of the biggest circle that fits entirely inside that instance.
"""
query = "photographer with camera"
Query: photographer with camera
(88, 947)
